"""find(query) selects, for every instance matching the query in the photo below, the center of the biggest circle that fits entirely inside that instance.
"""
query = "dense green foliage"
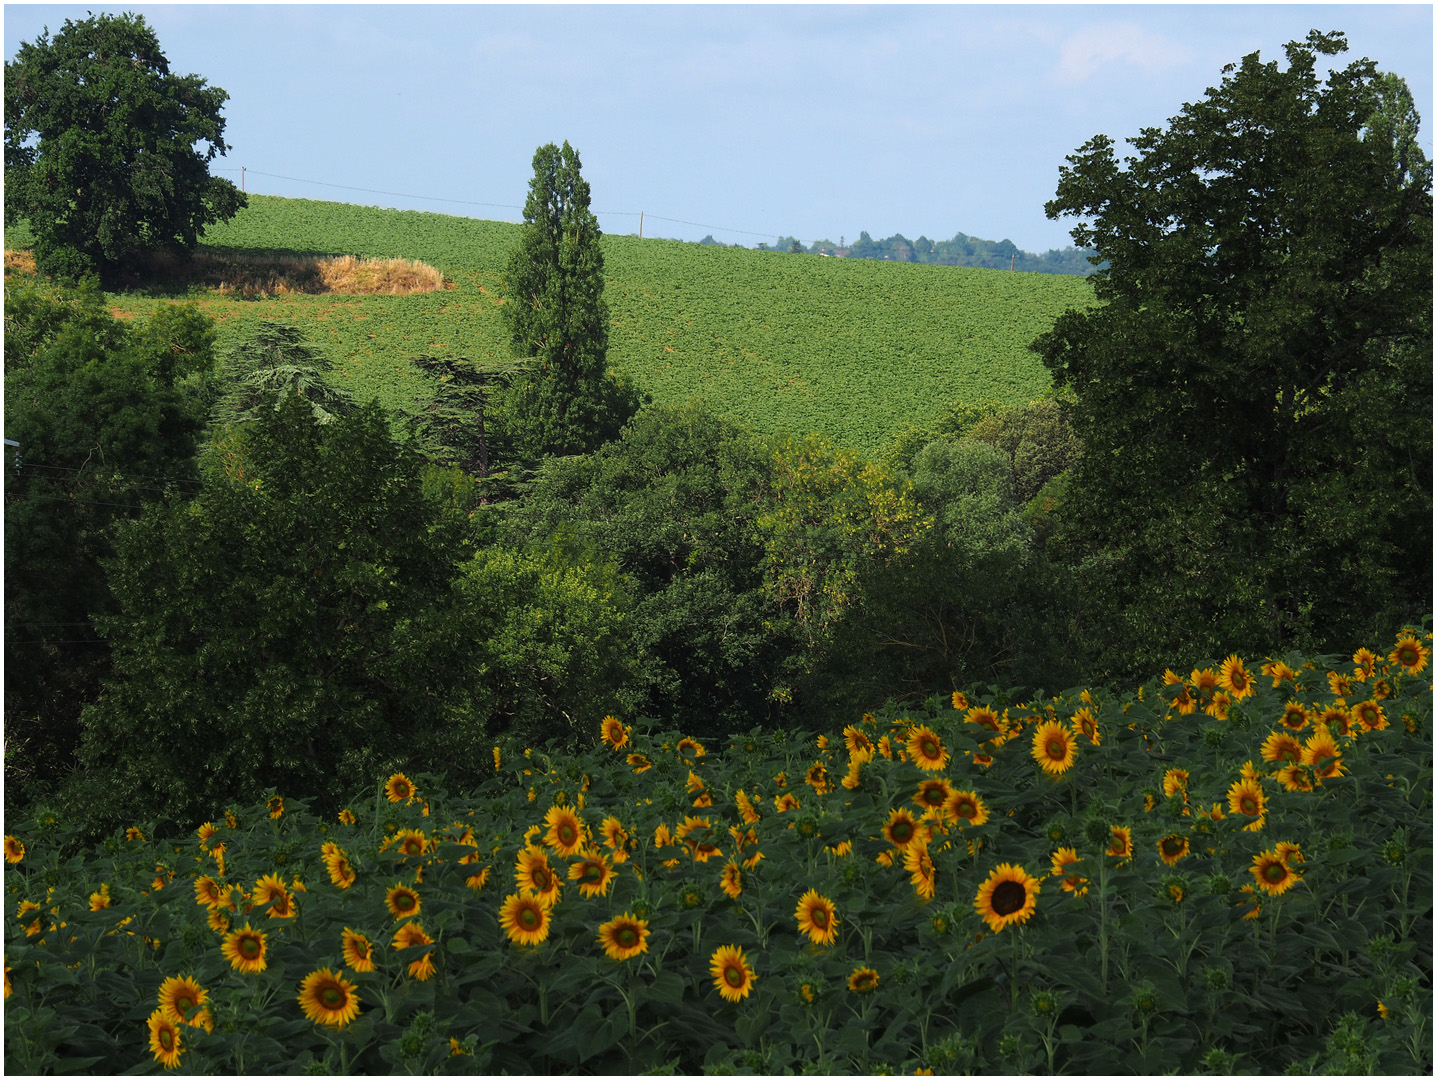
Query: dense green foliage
(107, 417)
(564, 400)
(272, 364)
(1160, 912)
(962, 250)
(1254, 395)
(100, 148)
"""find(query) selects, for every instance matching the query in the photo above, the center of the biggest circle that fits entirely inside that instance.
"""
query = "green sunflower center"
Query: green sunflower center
(902, 832)
(1248, 805)
(819, 917)
(592, 873)
(332, 997)
(529, 918)
(567, 834)
(1009, 896)
(1057, 749)
(930, 748)
(733, 975)
(1274, 873)
(540, 877)
(626, 937)
(167, 1039)
(250, 948)
(403, 901)
(966, 809)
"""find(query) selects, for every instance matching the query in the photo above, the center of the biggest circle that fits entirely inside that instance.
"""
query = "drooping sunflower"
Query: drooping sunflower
(267, 889)
(639, 762)
(925, 749)
(1294, 716)
(966, 808)
(624, 937)
(1280, 672)
(901, 828)
(1234, 678)
(1280, 746)
(817, 917)
(1295, 777)
(1219, 705)
(1370, 715)
(1273, 874)
(690, 749)
(423, 969)
(613, 732)
(181, 995)
(1064, 859)
(1334, 717)
(410, 935)
(701, 848)
(245, 950)
(346, 817)
(329, 999)
(533, 874)
(399, 788)
(732, 975)
(164, 1039)
(525, 919)
(1322, 755)
(933, 796)
(1185, 702)
(275, 806)
(593, 873)
(1054, 747)
(207, 891)
(921, 872)
(565, 834)
(787, 801)
(358, 951)
(1175, 782)
(1173, 847)
(1410, 653)
(864, 980)
(817, 778)
(731, 879)
(341, 873)
(219, 922)
(1007, 897)
(402, 901)
(858, 743)
(1084, 723)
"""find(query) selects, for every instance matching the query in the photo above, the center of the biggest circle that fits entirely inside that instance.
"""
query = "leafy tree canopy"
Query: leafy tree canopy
(101, 147)
(1254, 395)
(271, 364)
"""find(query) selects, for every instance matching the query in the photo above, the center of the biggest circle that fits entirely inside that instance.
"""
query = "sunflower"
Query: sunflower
(1273, 874)
(1085, 724)
(817, 778)
(1234, 678)
(1008, 896)
(624, 937)
(1370, 715)
(498, 759)
(358, 951)
(933, 795)
(984, 717)
(966, 808)
(1175, 782)
(1280, 746)
(14, 849)
(639, 762)
(1173, 847)
(341, 873)
(817, 917)
(410, 842)
(478, 881)
(788, 801)
(409, 935)
(1054, 747)
(1410, 653)
(960, 700)
(1247, 895)
(1365, 661)
(180, 996)
(616, 837)
(207, 891)
(328, 999)
(732, 975)
(132, 833)
(245, 950)
(593, 874)
(613, 732)
(1064, 859)
(745, 807)
(275, 805)
(423, 968)
(164, 1039)
(534, 875)
(218, 920)
(702, 850)
(859, 744)
(1322, 755)
(1295, 777)
(731, 880)
(864, 980)
(1335, 717)
(690, 749)
(399, 788)
(921, 872)
(662, 836)
(565, 834)
(1204, 683)
(925, 749)
(1294, 716)
(1279, 671)
(346, 817)
(901, 828)
(525, 919)
(1246, 797)
(206, 833)
(1339, 684)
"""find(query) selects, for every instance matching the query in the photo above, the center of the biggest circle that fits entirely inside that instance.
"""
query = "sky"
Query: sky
(746, 122)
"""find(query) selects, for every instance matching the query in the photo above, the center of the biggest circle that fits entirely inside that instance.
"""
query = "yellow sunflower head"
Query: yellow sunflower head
(565, 833)
(1054, 747)
(921, 872)
(534, 875)
(402, 901)
(164, 1039)
(639, 762)
(1272, 873)
(624, 937)
(328, 998)
(593, 873)
(925, 749)
(1172, 847)
(1009, 896)
(733, 977)
(399, 788)
(14, 849)
(731, 879)
(864, 980)
(966, 808)
(180, 996)
(613, 732)
(358, 951)
(1410, 653)
(525, 919)
(1295, 716)
(817, 917)
(858, 743)
(246, 950)
(1175, 782)
(1281, 746)
(1322, 755)
(275, 806)
(901, 828)
(933, 795)
(690, 749)
(410, 935)
(1370, 715)
(1234, 678)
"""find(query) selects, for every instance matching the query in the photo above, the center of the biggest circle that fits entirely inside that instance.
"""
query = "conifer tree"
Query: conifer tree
(566, 402)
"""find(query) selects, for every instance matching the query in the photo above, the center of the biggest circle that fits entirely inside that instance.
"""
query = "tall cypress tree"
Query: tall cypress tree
(566, 402)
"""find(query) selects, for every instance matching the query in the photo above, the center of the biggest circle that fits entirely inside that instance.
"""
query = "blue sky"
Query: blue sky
(749, 121)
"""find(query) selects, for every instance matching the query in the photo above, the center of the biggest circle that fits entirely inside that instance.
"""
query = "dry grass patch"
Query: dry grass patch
(19, 262)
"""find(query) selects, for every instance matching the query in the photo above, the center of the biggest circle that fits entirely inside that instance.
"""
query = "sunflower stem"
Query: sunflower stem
(1013, 975)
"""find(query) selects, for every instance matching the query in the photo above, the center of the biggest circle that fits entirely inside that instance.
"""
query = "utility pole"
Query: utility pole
(242, 169)
(641, 224)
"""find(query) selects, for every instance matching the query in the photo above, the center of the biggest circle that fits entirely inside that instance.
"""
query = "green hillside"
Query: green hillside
(854, 349)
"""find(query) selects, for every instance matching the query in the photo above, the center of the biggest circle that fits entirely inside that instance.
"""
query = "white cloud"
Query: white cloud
(1092, 48)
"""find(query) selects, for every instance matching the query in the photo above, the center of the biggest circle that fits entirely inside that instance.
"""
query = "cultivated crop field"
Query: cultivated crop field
(1228, 871)
(850, 348)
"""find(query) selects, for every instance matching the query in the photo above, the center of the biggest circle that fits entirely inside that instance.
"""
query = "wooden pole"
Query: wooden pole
(641, 224)
(242, 169)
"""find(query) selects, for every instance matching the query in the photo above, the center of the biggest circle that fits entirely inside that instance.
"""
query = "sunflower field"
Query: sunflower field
(1227, 871)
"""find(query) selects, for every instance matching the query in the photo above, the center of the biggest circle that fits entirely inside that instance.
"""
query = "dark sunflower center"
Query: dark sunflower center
(1275, 872)
(412, 847)
(626, 937)
(1248, 805)
(930, 748)
(184, 1004)
(567, 834)
(733, 975)
(966, 809)
(529, 918)
(902, 833)
(250, 947)
(540, 877)
(1057, 749)
(933, 796)
(1009, 896)
(401, 790)
(167, 1039)
(332, 997)
(592, 873)
(404, 901)
(1172, 846)
(819, 918)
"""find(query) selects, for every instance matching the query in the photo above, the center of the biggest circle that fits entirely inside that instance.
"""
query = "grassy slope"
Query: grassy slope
(854, 349)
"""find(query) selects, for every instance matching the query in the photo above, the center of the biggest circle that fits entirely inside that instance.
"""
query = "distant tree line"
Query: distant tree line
(962, 250)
